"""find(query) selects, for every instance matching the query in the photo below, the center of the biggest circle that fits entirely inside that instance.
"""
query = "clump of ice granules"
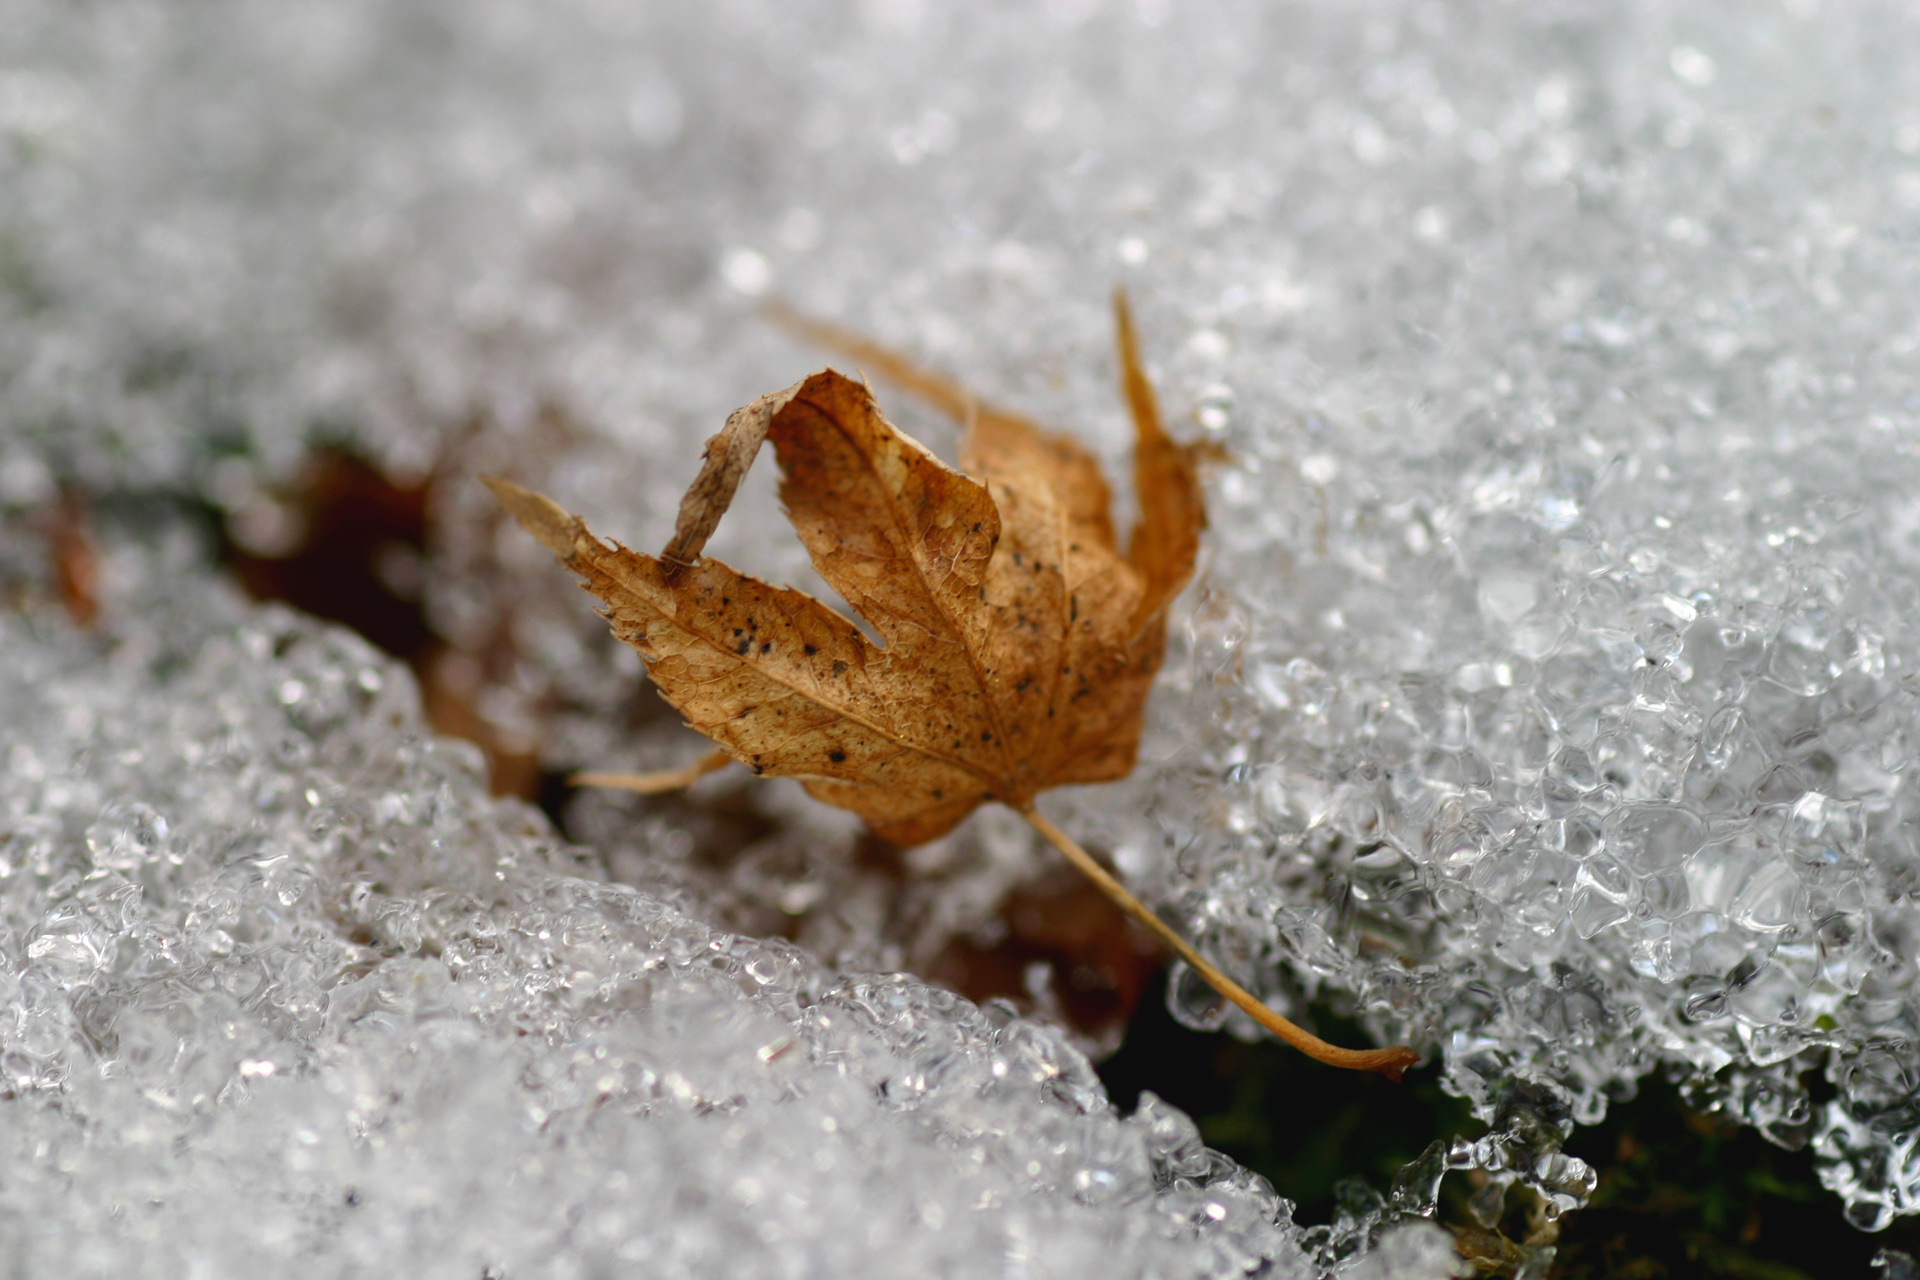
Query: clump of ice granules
(287, 993)
(1545, 691)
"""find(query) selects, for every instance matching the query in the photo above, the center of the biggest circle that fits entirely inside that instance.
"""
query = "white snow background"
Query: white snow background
(1547, 694)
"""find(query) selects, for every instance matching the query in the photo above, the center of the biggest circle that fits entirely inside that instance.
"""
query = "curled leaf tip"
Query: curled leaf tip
(723, 465)
(551, 525)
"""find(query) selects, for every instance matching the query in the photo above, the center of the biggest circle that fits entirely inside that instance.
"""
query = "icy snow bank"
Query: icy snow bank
(285, 988)
(1549, 688)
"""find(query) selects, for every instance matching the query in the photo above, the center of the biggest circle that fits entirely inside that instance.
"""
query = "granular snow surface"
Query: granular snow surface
(1547, 695)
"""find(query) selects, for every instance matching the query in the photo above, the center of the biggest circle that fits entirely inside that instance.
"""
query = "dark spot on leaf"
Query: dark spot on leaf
(838, 666)
(744, 646)
(811, 650)
(765, 645)
(837, 757)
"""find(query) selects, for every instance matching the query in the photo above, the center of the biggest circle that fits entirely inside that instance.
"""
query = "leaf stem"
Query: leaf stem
(1388, 1062)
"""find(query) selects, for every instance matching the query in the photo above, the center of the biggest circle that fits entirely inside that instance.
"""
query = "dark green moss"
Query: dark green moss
(1680, 1194)
(1684, 1194)
(1301, 1125)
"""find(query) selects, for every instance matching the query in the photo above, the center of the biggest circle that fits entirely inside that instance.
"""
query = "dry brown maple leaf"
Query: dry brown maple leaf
(1017, 643)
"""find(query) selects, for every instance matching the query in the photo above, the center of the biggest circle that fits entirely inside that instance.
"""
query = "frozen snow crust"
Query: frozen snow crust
(1549, 690)
(284, 988)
